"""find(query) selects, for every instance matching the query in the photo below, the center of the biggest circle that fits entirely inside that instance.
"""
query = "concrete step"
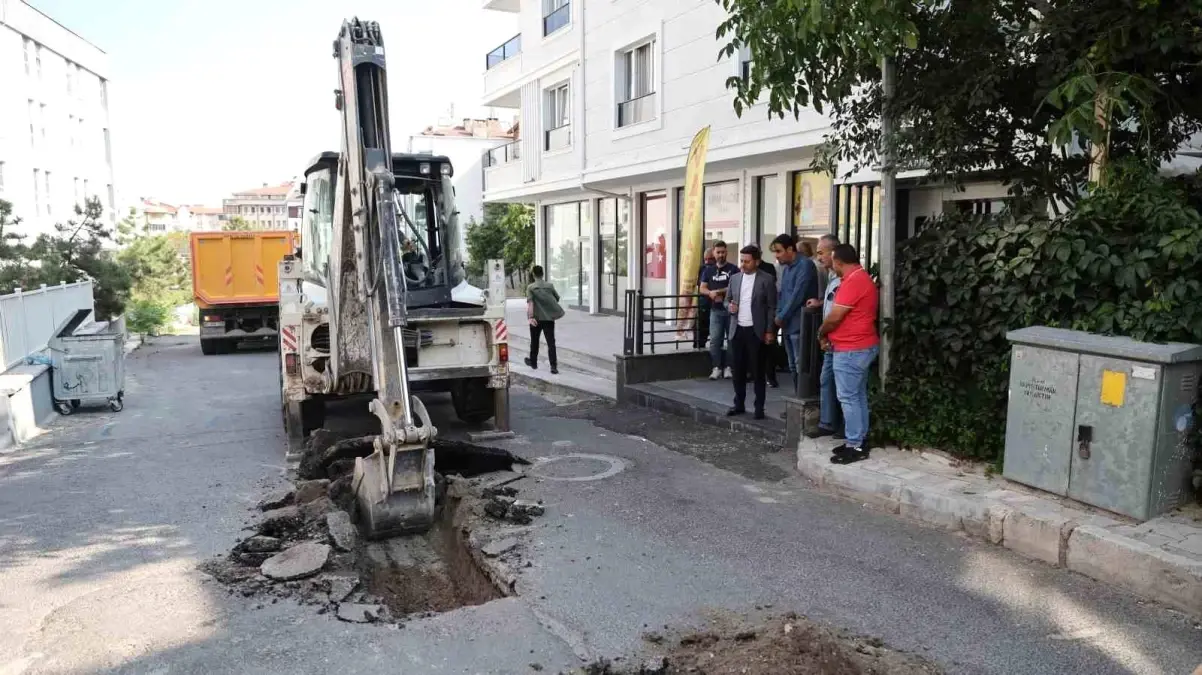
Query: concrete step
(567, 383)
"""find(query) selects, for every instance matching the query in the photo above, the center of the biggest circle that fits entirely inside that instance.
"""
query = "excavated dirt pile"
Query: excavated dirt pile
(788, 645)
(305, 545)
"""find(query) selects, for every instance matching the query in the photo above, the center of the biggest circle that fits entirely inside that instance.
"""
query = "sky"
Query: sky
(212, 96)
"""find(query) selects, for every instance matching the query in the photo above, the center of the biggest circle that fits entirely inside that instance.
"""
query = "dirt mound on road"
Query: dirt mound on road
(789, 645)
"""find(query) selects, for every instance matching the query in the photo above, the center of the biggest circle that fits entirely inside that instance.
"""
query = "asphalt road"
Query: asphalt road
(104, 520)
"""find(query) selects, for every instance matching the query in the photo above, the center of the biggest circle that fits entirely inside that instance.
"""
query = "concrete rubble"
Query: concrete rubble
(300, 561)
(343, 533)
(499, 547)
(310, 490)
(354, 612)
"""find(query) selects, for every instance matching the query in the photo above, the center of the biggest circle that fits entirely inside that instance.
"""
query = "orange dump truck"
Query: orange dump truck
(236, 287)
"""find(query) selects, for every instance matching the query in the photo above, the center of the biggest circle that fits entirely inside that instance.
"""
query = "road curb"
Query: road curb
(1149, 571)
(542, 386)
(1036, 528)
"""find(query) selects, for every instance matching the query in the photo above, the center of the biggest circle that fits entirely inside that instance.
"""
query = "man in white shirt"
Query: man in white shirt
(751, 299)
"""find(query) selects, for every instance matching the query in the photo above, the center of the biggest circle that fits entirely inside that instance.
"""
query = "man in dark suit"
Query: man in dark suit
(751, 299)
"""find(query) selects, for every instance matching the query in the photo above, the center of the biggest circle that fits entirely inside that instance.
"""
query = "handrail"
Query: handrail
(511, 48)
(557, 19)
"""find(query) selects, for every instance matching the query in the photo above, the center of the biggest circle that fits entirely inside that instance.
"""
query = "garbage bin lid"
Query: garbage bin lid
(1105, 345)
(67, 327)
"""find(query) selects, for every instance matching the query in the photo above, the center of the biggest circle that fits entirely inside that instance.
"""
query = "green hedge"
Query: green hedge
(1126, 261)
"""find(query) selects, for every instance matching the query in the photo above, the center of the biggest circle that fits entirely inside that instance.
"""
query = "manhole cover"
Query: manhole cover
(577, 467)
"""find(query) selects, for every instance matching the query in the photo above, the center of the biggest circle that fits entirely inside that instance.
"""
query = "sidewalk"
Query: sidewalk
(1160, 559)
(586, 345)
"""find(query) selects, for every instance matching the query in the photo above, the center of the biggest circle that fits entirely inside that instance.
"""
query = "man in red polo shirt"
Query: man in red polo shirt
(850, 332)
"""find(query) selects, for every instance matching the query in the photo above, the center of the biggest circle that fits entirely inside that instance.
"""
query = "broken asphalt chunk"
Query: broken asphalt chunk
(298, 562)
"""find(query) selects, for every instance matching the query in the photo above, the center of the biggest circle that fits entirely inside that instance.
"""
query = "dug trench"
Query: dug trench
(305, 545)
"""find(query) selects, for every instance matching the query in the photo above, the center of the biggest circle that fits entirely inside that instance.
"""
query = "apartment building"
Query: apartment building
(264, 208)
(609, 95)
(467, 145)
(55, 141)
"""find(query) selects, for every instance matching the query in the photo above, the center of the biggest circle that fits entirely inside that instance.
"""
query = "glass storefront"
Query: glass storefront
(723, 215)
(615, 244)
(769, 222)
(563, 258)
(655, 243)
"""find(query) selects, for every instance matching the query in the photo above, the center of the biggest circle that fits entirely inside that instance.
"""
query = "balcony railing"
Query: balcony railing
(503, 154)
(558, 138)
(636, 110)
(505, 52)
(557, 19)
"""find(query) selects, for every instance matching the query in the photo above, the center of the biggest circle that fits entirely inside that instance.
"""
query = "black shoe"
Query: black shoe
(532, 364)
(554, 370)
(850, 456)
(839, 436)
(736, 411)
(819, 433)
(774, 384)
(758, 415)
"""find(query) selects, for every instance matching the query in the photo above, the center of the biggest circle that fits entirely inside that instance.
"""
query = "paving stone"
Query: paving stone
(869, 486)
(298, 562)
(342, 531)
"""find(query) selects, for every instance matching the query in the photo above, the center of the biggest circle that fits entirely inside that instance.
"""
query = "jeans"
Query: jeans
(793, 351)
(746, 351)
(828, 415)
(851, 384)
(546, 328)
(719, 322)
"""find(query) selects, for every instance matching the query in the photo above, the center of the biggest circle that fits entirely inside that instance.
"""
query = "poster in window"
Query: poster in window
(811, 202)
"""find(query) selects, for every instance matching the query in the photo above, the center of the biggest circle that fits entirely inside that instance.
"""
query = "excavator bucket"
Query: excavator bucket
(394, 485)
(400, 504)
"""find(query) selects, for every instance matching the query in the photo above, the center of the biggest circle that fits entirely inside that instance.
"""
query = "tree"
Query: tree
(158, 270)
(506, 233)
(1006, 86)
(236, 224)
(13, 251)
(78, 251)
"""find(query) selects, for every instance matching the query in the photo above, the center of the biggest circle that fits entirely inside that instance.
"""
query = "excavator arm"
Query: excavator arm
(394, 486)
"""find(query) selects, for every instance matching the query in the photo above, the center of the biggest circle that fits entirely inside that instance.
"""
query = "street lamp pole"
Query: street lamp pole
(888, 227)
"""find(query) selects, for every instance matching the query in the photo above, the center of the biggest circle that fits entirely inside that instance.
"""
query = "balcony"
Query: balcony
(507, 51)
(503, 167)
(503, 5)
(558, 138)
(636, 110)
(557, 19)
(503, 154)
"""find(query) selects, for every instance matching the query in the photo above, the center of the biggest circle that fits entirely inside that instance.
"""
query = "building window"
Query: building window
(569, 252)
(556, 15)
(745, 63)
(28, 57)
(85, 189)
(104, 94)
(38, 60)
(636, 84)
(77, 199)
(811, 204)
(112, 197)
(558, 116)
(70, 79)
(108, 149)
(37, 191)
(42, 124)
(71, 129)
(33, 136)
(722, 213)
(49, 197)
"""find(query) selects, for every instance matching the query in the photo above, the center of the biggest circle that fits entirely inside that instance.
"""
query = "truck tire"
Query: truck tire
(473, 400)
(209, 347)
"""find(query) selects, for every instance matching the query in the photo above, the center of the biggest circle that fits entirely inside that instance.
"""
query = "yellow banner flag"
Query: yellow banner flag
(692, 229)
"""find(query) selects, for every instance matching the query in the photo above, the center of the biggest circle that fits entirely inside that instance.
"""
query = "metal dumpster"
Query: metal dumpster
(1103, 420)
(87, 367)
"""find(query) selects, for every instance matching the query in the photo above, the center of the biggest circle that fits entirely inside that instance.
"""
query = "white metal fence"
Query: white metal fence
(28, 318)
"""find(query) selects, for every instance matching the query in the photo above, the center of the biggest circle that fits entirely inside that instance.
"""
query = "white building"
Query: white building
(55, 141)
(264, 208)
(467, 145)
(610, 94)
